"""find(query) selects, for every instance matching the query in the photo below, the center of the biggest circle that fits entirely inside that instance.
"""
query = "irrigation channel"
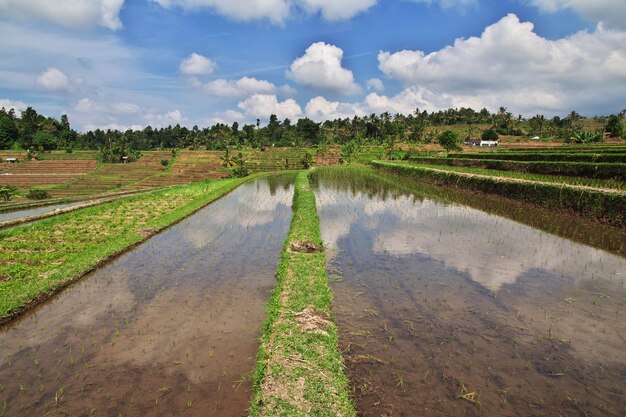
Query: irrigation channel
(446, 310)
(168, 329)
(11, 215)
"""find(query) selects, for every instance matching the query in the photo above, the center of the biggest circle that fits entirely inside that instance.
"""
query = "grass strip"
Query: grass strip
(39, 259)
(605, 207)
(515, 169)
(545, 156)
(299, 368)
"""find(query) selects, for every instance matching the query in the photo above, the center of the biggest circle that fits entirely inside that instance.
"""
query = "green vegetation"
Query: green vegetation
(7, 192)
(606, 207)
(40, 133)
(39, 259)
(299, 368)
(449, 141)
(604, 171)
(545, 156)
(37, 194)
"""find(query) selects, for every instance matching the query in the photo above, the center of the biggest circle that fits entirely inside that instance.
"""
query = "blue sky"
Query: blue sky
(130, 63)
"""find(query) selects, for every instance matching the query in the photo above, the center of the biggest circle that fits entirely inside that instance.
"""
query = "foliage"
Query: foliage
(165, 162)
(490, 134)
(36, 194)
(239, 169)
(615, 126)
(585, 136)
(7, 192)
(449, 141)
(227, 159)
(307, 160)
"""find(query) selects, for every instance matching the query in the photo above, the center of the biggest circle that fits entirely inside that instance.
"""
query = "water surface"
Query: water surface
(446, 310)
(168, 329)
(11, 215)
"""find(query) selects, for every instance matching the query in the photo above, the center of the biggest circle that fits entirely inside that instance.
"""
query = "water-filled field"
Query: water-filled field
(447, 310)
(170, 328)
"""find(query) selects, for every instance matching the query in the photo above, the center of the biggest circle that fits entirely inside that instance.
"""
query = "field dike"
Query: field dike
(40, 259)
(300, 371)
(601, 206)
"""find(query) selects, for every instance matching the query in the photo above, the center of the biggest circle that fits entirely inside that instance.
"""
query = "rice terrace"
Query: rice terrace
(278, 208)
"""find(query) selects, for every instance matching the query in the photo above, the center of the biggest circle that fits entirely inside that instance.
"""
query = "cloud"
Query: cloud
(511, 65)
(320, 69)
(336, 10)
(276, 11)
(610, 12)
(173, 117)
(243, 87)
(405, 102)
(68, 13)
(375, 84)
(53, 79)
(262, 105)
(196, 64)
(9, 104)
(226, 117)
(86, 105)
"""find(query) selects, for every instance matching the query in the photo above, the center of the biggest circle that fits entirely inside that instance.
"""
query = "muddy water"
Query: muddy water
(168, 329)
(445, 310)
(35, 211)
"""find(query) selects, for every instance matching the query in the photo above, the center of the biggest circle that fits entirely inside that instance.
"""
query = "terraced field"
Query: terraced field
(111, 177)
(188, 166)
(43, 173)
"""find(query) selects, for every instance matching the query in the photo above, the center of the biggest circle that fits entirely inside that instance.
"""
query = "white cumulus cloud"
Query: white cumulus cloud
(67, 13)
(242, 87)
(405, 102)
(375, 84)
(320, 68)
(276, 11)
(611, 12)
(262, 105)
(510, 65)
(53, 79)
(9, 104)
(196, 64)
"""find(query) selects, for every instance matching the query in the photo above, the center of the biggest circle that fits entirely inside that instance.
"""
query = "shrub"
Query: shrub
(165, 162)
(489, 134)
(7, 192)
(35, 194)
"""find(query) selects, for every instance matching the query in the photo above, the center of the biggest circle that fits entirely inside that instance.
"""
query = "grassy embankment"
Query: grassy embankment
(40, 259)
(603, 206)
(299, 368)
(520, 170)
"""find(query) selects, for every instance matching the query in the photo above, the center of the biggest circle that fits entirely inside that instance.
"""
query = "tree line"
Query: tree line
(33, 131)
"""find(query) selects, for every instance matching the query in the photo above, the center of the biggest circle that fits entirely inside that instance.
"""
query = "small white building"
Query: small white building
(481, 142)
(11, 160)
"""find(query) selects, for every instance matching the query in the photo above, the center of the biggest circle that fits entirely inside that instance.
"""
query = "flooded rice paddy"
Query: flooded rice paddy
(12, 215)
(446, 310)
(168, 329)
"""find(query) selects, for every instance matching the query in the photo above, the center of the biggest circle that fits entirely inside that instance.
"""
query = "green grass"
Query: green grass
(39, 259)
(589, 182)
(299, 369)
(545, 156)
